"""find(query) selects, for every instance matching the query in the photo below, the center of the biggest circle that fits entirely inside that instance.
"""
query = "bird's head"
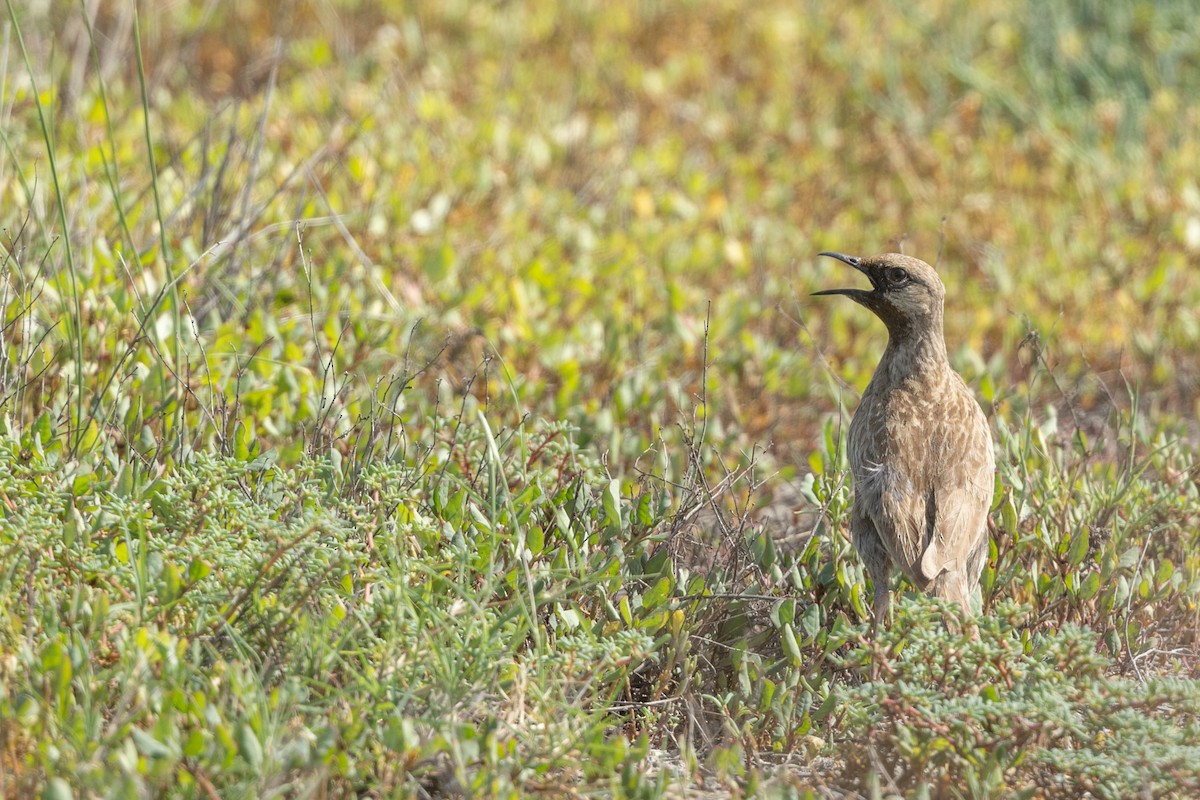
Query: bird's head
(905, 293)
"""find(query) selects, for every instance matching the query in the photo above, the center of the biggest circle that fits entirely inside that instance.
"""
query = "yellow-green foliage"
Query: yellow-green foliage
(570, 186)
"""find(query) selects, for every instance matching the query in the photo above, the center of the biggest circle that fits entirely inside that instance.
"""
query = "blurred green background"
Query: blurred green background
(580, 189)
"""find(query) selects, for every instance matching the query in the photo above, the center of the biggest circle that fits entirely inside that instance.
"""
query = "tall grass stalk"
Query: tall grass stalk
(73, 317)
(178, 423)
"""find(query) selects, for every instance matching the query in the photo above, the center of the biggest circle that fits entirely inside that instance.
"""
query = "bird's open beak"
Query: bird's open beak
(856, 262)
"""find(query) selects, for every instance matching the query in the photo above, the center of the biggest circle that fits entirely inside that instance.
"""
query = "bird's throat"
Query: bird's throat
(911, 353)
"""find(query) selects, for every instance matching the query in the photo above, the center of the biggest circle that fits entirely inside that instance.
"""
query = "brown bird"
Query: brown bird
(920, 449)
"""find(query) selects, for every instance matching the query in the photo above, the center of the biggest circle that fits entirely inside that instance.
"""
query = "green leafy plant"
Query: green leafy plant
(997, 710)
(425, 401)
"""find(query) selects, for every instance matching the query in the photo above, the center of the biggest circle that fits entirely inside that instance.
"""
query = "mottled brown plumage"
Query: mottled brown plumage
(920, 449)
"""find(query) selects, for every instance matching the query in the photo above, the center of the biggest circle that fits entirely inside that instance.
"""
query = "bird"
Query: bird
(919, 445)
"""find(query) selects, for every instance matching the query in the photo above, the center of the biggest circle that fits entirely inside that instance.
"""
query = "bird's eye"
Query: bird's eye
(897, 276)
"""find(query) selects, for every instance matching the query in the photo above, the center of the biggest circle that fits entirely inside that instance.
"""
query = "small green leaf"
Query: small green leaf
(612, 504)
(53, 656)
(790, 646)
(658, 594)
(57, 789)
(626, 612)
(194, 746)
(73, 526)
(856, 601)
(645, 511)
(1079, 547)
(148, 746)
(987, 387)
(198, 570)
(171, 581)
(1090, 586)
(535, 540)
(653, 622)
(767, 695)
(783, 612)
(1122, 591)
(264, 462)
(569, 616)
(1165, 570)
(249, 747)
(1008, 517)
(827, 706)
(241, 442)
(124, 482)
(810, 621)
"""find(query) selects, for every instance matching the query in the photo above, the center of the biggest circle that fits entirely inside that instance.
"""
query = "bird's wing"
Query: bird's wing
(962, 495)
(956, 532)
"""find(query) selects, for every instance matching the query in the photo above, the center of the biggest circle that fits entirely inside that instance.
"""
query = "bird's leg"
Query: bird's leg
(878, 565)
(882, 603)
